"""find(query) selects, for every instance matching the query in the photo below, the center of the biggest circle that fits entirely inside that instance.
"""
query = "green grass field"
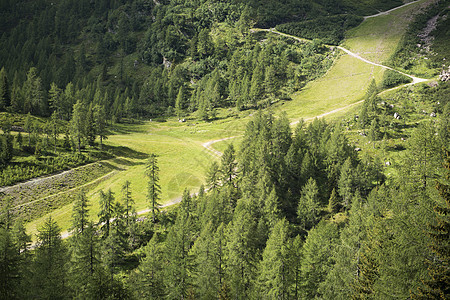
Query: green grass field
(376, 38)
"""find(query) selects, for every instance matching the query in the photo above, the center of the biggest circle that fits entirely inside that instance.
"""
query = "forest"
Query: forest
(288, 212)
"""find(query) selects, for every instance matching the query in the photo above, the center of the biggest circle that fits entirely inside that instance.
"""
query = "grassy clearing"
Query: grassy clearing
(376, 38)
(183, 160)
(345, 83)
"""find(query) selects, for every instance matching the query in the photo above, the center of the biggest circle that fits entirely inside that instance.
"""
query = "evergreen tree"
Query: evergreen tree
(438, 284)
(153, 187)
(178, 244)
(275, 270)
(242, 254)
(5, 97)
(106, 211)
(78, 124)
(309, 205)
(128, 200)
(100, 123)
(345, 183)
(148, 278)
(270, 80)
(35, 102)
(333, 202)
(55, 130)
(49, 265)
(257, 85)
(213, 176)
(80, 212)
(55, 96)
(317, 258)
(9, 265)
(228, 166)
(179, 103)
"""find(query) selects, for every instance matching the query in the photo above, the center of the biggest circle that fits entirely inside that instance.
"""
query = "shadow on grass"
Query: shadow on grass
(125, 152)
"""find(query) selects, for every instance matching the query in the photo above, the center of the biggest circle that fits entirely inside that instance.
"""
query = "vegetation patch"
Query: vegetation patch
(328, 29)
(392, 79)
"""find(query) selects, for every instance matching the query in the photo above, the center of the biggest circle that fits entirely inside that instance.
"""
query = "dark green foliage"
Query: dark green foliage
(329, 29)
(392, 79)
(50, 263)
(153, 187)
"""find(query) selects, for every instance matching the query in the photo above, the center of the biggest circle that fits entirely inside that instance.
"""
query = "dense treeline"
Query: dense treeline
(329, 29)
(291, 215)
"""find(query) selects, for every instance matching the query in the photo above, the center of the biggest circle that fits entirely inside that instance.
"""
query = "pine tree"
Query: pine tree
(49, 265)
(80, 212)
(213, 176)
(54, 128)
(77, 124)
(148, 279)
(106, 211)
(153, 187)
(5, 97)
(179, 103)
(9, 265)
(275, 270)
(317, 257)
(228, 166)
(270, 80)
(242, 254)
(178, 244)
(100, 123)
(128, 200)
(257, 85)
(309, 205)
(438, 284)
(55, 96)
(345, 183)
(333, 202)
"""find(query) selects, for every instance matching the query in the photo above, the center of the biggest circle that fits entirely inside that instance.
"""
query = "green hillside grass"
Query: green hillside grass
(376, 38)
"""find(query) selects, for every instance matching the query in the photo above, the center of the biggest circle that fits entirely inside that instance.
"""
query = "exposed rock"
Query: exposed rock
(357, 149)
(433, 115)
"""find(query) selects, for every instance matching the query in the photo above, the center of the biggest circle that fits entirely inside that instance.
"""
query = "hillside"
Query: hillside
(274, 166)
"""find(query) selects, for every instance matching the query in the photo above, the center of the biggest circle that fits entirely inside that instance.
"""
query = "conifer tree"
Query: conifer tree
(242, 254)
(213, 176)
(153, 187)
(128, 200)
(9, 265)
(178, 243)
(257, 85)
(148, 279)
(179, 103)
(49, 265)
(78, 124)
(106, 211)
(438, 284)
(228, 166)
(309, 205)
(333, 202)
(100, 123)
(55, 96)
(5, 97)
(275, 270)
(80, 212)
(345, 183)
(55, 131)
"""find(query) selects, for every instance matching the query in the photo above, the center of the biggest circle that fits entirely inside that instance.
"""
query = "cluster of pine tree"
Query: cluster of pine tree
(291, 215)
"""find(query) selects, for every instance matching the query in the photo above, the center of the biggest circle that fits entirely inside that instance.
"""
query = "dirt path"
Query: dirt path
(213, 151)
(389, 11)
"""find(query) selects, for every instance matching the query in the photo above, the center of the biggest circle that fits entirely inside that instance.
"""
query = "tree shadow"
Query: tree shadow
(123, 151)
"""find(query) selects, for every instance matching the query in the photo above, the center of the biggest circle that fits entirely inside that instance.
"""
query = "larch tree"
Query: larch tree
(77, 124)
(106, 211)
(308, 209)
(153, 187)
(100, 123)
(275, 270)
(80, 212)
(50, 263)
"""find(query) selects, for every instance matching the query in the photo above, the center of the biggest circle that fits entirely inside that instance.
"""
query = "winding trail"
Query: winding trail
(389, 11)
(415, 80)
